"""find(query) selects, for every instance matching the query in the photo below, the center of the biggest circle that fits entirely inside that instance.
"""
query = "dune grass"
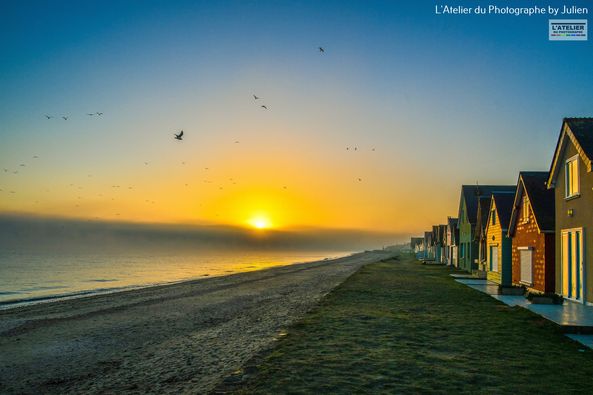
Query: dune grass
(398, 326)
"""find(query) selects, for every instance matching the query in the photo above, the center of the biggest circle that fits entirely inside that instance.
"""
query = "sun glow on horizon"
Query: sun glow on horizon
(260, 222)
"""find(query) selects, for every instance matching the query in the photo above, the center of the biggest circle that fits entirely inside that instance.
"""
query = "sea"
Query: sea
(37, 277)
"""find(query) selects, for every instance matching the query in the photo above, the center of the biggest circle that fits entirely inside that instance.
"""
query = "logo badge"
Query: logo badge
(568, 30)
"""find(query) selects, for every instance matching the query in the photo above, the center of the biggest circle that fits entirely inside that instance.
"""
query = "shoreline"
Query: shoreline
(174, 338)
(35, 300)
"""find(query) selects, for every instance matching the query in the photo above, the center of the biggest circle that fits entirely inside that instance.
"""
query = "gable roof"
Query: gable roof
(482, 215)
(541, 199)
(452, 223)
(452, 227)
(428, 238)
(579, 131)
(471, 193)
(504, 206)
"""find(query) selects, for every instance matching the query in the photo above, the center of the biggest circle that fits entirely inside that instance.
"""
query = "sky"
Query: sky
(429, 101)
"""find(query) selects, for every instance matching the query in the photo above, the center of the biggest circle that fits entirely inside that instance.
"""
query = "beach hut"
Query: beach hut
(571, 177)
(498, 244)
(480, 234)
(451, 237)
(416, 245)
(532, 233)
(438, 235)
(428, 247)
(467, 217)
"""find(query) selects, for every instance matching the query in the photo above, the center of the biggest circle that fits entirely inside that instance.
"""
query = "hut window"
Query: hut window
(572, 177)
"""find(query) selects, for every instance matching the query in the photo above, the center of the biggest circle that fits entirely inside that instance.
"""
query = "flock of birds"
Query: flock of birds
(66, 117)
(177, 136)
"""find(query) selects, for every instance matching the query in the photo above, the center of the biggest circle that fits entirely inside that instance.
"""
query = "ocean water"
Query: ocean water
(30, 277)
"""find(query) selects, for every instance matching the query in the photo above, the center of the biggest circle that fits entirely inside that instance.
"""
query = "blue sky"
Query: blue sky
(446, 99)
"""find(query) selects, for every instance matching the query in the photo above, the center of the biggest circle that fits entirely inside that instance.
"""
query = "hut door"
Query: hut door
(572, 264)
(493, 258)
(526, 266)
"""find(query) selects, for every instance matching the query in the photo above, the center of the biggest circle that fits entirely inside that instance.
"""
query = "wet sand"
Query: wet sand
(180, 338)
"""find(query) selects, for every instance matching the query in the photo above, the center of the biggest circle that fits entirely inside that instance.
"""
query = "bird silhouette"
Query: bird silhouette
(65, 118)
(179, 136)
(237, 142)
(90, 115)
(48, 116)
(264, 107)
(255, 97)
(99, 113)
(360, 179)
(321, 50)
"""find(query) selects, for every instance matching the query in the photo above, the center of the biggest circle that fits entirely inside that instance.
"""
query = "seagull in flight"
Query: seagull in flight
(264, 107)
(255, 97)
(65, 118)
(48, 116)
(321, 50)
(90, 115)
(179, 136)
(99, 113)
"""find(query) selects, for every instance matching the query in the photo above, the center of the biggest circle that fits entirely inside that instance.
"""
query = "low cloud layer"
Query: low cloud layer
(29, 233)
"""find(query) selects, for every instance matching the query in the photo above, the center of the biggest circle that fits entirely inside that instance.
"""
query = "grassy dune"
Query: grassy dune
(398, 326)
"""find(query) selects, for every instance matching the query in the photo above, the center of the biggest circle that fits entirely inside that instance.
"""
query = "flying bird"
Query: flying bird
(264, 107)
(65, 118)
(90, 115)
(237, 142)
(255, 97)
(48, 116)
(179, 136)
(360, 179)
(321, 50)
(99, 113)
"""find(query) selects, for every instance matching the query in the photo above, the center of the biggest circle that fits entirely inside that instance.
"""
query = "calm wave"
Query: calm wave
(34, 277)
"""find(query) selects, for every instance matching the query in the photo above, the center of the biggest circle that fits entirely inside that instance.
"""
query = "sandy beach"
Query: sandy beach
(181, 338)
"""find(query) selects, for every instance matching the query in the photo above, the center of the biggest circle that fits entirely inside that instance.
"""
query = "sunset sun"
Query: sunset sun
(260, 222)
